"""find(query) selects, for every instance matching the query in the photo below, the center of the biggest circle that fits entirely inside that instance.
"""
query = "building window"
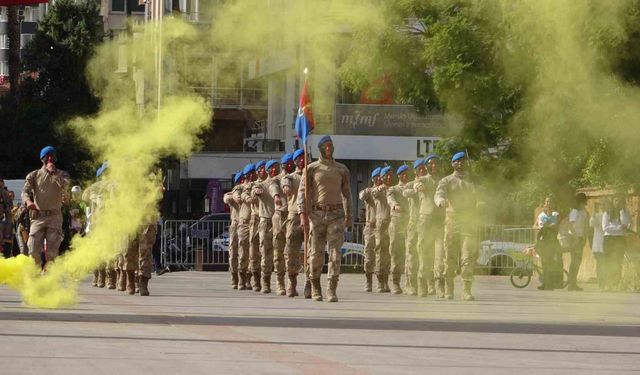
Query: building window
(3, 14)
(117, 5)
(135, 6)
(4, 68)
(25, 39)
(31, 14)
(4, 41)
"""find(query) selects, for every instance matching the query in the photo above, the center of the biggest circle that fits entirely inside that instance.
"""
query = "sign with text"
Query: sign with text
(396, 120)
(362, 147)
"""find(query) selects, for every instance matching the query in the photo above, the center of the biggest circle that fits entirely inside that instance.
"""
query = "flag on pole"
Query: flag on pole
(304, 121)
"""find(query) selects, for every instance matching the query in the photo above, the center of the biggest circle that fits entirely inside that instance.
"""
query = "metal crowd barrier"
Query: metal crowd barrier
(202, 245)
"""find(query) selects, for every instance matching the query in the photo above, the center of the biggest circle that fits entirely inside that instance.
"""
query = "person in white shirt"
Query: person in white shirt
(578, 229)
(615, 224)
(597, 248)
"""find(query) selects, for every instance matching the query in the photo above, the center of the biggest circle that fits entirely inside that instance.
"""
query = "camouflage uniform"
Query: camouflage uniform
(430, 249)
(383, 218)
(458, 194)
(45, 190)
(294, 231)
(329, 203)
(279, 230)
(411, 251)
(369, 235)
(261, 192)
(234, 208)
(399, 208)
(244, 219)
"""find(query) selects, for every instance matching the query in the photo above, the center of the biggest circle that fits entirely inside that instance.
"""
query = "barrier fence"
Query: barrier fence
(202, 245)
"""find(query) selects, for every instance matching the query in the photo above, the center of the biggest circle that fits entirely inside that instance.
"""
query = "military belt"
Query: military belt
(326, 207)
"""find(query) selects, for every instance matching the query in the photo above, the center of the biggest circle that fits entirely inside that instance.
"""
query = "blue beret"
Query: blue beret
(432, 156)
(270, 164)
(324, 139)
(297, 153)
(248, 169)
(402, 168)
(286, 158)
(458, 156)
(375, 172)
(260, 164)
(418, 163)
(384, 171)
(236, 177)
(46, 151)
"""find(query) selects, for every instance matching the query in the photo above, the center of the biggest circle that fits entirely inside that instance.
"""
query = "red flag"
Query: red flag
(304, 121)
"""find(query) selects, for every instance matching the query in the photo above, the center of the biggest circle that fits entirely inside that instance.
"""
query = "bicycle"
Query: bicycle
(521, 275)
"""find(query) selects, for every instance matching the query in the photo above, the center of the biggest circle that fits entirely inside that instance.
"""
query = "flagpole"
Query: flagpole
(306, 196)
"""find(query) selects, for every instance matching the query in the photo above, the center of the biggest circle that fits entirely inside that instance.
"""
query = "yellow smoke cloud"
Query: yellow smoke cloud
(132, 138)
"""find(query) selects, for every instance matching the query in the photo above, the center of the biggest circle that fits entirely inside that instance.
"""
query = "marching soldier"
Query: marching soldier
(294, 231)
(244, 222)
(457, 194)
(430, 233)
(369, 230)
(279, 222)
(411, 251)
(262, 191)
(326, 213)
(42, 195)
(399, 207)
(383, 219)
(234, 208)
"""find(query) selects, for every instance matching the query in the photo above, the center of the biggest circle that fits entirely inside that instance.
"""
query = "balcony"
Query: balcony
(248, 98)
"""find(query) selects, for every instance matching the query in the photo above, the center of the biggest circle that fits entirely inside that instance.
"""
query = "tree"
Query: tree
(56, 91)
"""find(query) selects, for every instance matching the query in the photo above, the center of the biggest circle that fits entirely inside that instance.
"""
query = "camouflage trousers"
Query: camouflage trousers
(411, 251)
(265, 232)
(243, 245)
(233, 246)
(279, 240)
(294, 238)
(397, 244)
(45, 227)
(383, 257)
(430, 248)
(138, 256)
(459, 243)
(369, 247)
(326, 230)
(255, 259)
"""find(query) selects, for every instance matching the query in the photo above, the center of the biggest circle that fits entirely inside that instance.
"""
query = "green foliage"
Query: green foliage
(58, 91)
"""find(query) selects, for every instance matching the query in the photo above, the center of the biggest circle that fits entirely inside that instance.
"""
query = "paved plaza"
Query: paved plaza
(194, 323)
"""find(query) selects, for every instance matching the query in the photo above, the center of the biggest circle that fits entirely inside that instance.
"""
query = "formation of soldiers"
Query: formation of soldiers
(130, 271)
(421, 228)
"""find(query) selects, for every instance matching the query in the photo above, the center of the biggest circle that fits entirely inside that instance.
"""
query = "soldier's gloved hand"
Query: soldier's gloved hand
(277, 200)
(418, 186)
(258, 191)
(287, 191)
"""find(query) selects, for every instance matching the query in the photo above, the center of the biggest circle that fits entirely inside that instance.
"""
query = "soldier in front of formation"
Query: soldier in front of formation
(42, 194)
(324, 203)
(456, 193)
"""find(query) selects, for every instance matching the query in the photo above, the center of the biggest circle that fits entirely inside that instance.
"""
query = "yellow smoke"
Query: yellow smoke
(132, 137)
